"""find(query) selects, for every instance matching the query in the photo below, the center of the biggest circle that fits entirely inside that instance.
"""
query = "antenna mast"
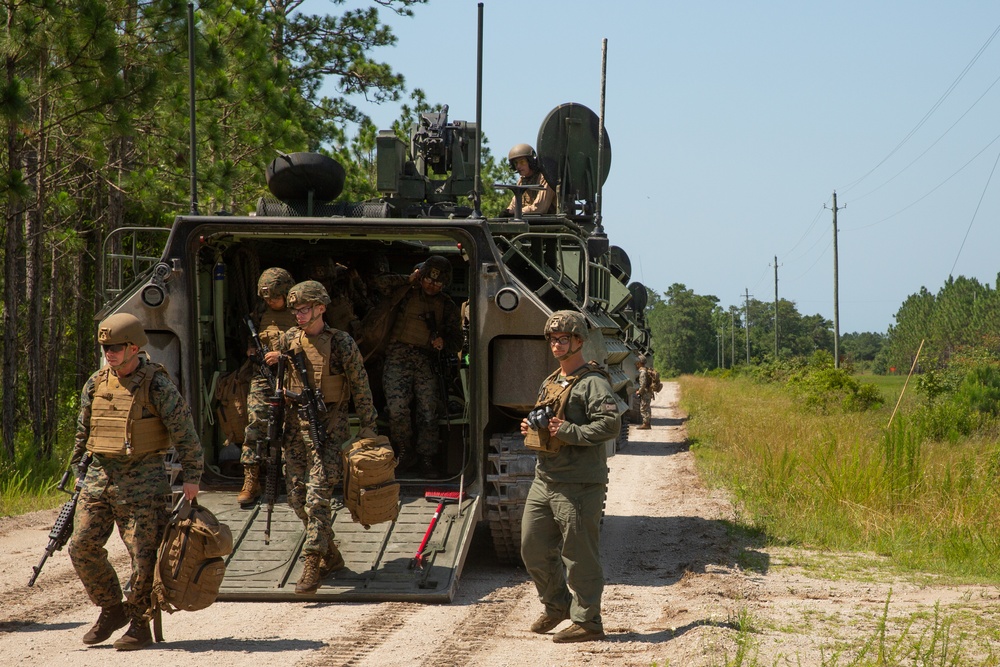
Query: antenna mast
(477, 188)
(193, 147)
(599, 228)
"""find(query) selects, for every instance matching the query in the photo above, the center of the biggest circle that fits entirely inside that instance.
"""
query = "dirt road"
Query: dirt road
(680, 586)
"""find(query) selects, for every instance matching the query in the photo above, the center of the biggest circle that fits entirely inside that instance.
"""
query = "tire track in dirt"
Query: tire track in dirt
(479, 627)
(351, 648)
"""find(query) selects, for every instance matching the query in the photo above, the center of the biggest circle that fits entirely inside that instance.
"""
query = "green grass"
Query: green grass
(846, 482)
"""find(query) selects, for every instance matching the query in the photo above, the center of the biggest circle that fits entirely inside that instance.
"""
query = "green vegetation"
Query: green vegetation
(844, 480)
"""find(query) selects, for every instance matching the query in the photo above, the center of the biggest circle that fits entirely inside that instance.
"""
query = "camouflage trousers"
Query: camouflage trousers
(258, 414)
(140, 525)
(560, 547)
(645, 411)
(311, 479)
(409, 378)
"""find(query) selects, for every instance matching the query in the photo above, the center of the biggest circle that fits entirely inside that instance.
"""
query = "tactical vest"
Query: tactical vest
(117, 427)
(333, 388)
(555, 394)
(273, 323)
(412, 324)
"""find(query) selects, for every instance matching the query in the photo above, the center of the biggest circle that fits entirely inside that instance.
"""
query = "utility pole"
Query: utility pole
(836, 287)
(722, 345)
(747, 322)
(775, 307)
(732, 332)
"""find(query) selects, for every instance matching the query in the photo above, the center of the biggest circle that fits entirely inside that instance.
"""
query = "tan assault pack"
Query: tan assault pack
(191, 562)
(371, 492)
(655, 383)
(231, 393)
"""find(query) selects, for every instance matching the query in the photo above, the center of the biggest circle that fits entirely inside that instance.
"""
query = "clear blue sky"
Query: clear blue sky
(732, 123)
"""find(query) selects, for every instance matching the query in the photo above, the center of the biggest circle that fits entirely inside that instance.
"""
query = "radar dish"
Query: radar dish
(639, 296)
(567, 149)
(621, 265)
(292, 176)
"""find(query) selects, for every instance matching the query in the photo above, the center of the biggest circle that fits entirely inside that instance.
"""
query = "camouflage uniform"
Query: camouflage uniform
(310, 479)
(411, 365)
(271, 325)
(129, 491)
(560, 528)
(645, 391)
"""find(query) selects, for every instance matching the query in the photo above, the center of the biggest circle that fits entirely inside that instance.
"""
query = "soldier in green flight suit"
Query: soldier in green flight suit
(560, 528)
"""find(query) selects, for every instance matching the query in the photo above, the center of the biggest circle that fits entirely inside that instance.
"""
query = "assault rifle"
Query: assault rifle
(259, 353)
(63, 528)
(272, 455)
(441, 366)
(311, 404)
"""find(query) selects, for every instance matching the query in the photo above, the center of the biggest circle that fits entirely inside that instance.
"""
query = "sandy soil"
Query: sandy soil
(680, 585)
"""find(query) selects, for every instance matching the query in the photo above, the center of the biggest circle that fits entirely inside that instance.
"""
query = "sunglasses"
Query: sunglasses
(117, 347)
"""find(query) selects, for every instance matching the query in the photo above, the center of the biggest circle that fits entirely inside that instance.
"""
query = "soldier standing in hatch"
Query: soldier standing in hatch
(130, 414)
(560, 529)
(644, 391)
(524, 161)
(337, 371)
(272, 287)
(427, 325)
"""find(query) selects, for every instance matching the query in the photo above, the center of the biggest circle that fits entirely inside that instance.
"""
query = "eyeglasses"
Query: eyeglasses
(303, 311)
(431, 281)
(117, 347)
(562, 340)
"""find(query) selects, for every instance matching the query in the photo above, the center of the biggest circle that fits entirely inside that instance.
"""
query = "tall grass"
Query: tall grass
(846, 481)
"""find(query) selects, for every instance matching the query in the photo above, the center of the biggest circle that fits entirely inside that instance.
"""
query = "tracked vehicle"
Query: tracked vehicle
(509, 274)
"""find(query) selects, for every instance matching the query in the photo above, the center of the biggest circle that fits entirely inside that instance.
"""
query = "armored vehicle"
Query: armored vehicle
(508, 275)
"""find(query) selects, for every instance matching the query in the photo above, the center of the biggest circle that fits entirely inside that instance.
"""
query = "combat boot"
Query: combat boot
(331, 562)
(575, 633)
(251, 486)
(309, 579)
(136, 637)
(111, 619)
(644, 426)
(547, 622)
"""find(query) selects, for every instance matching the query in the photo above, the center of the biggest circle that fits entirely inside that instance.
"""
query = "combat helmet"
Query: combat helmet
(523, 150)
(437, 268)
(306, 292)
(641, 360)
(566, 321)
(274, 283)
(121, 328)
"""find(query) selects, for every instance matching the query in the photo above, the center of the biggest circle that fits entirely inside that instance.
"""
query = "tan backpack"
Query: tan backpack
(231, 393)
(371, 492)
(191, 562)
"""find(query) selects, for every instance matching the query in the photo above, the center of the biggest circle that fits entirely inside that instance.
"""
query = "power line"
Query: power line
(964, 238)
(928, 114)
(932, 191)
(935, 143)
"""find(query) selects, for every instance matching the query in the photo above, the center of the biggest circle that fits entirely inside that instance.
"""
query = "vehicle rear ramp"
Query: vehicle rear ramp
(378, 559)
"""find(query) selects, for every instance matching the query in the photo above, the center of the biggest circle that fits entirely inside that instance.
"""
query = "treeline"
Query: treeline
(692, 333)
(94, 103)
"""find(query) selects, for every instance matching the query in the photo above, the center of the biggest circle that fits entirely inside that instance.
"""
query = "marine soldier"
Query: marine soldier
(560, 528)
(342, 285)
(312, 470)
(272, 287)
(130, 414)
(644, 391)
(427, 326)
(523, 160)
